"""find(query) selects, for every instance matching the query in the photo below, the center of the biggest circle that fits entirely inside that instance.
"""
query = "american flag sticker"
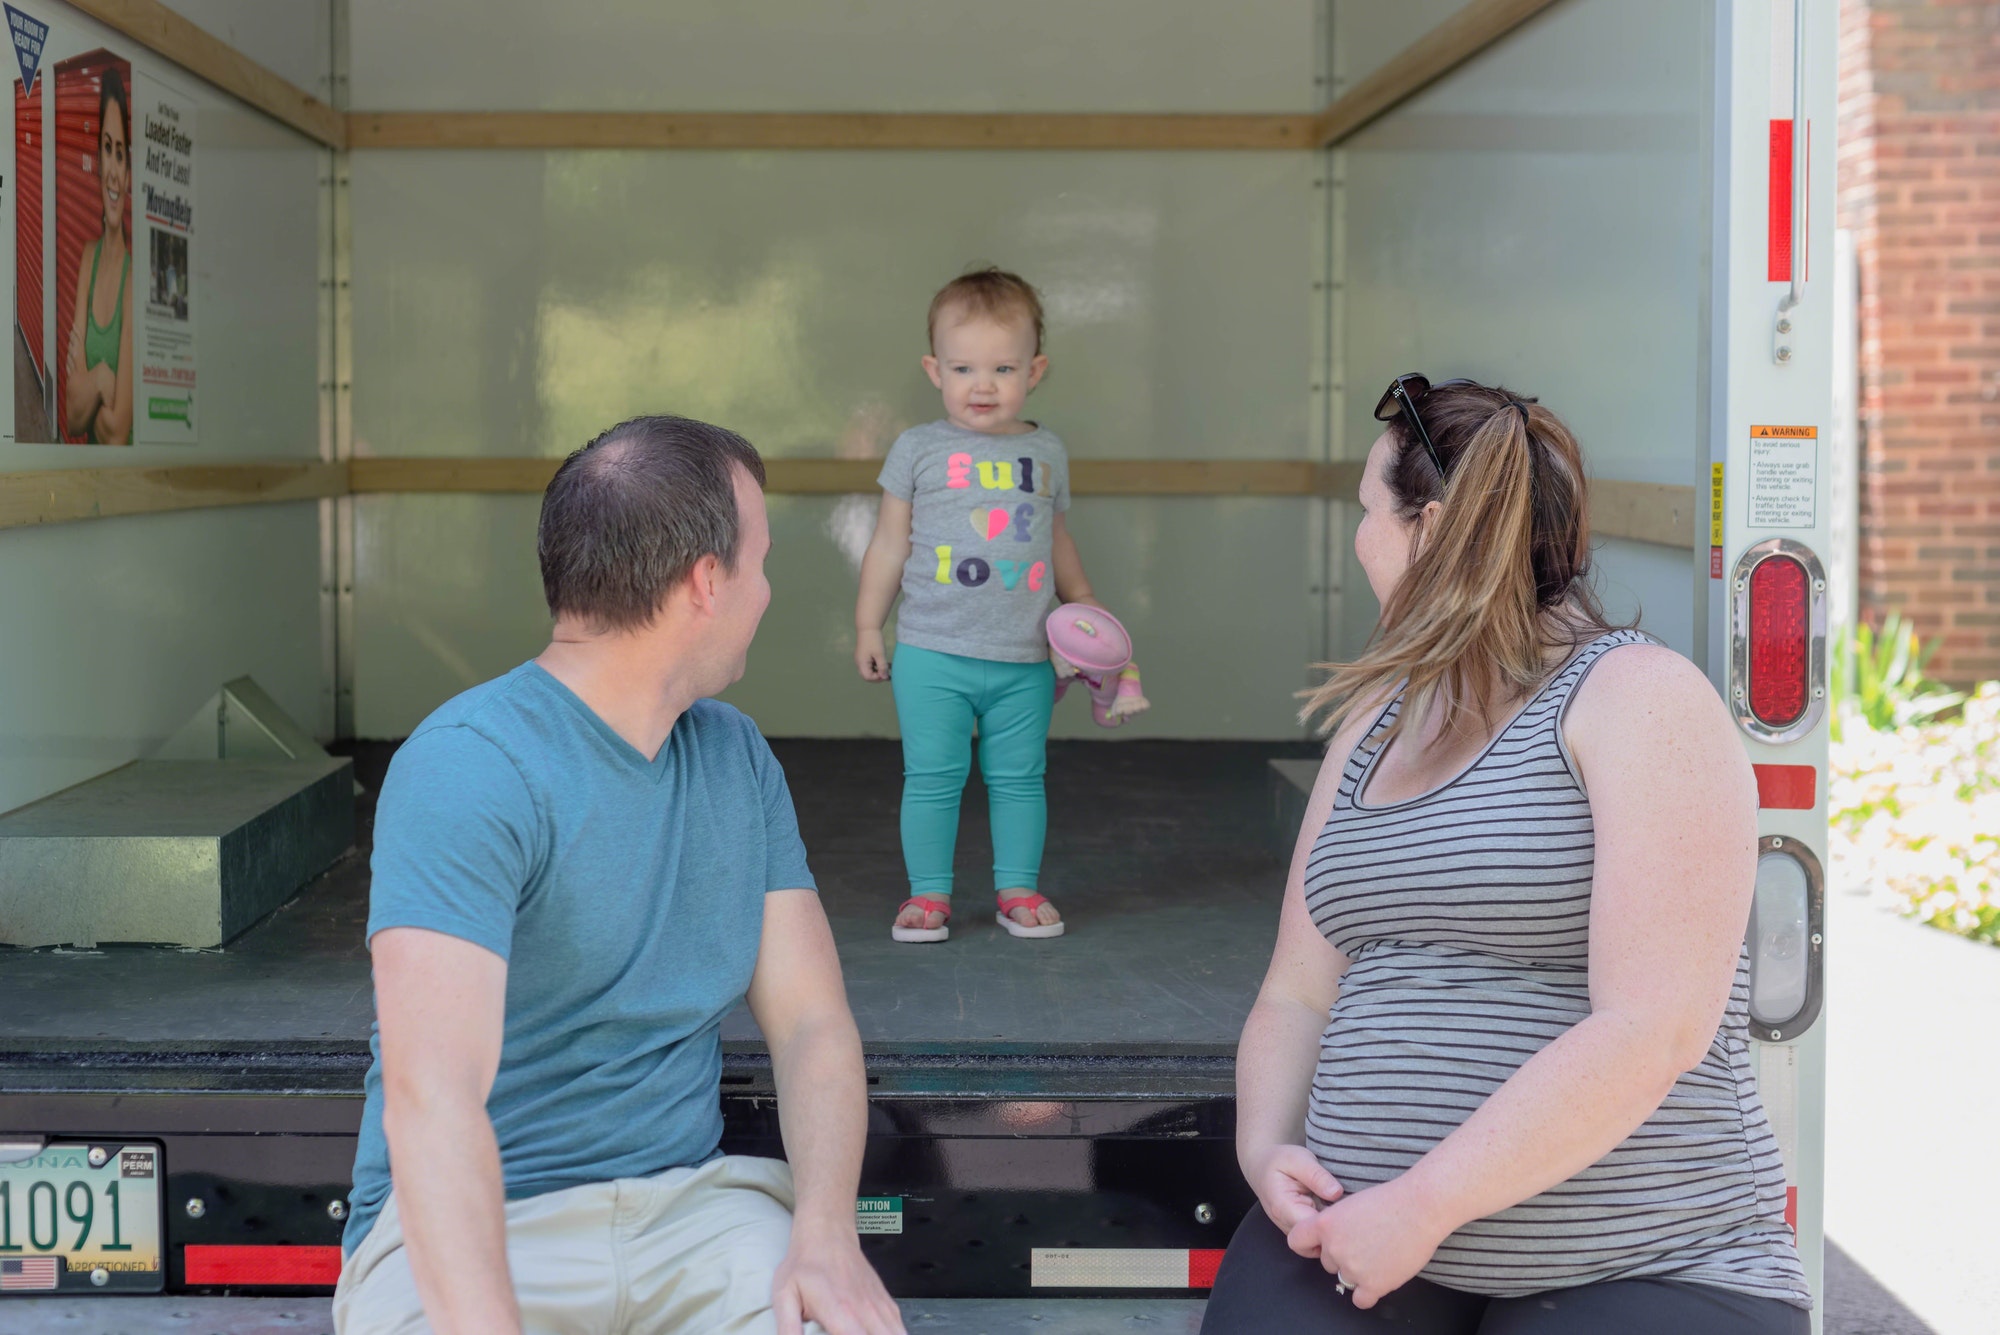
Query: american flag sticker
(31, 1272)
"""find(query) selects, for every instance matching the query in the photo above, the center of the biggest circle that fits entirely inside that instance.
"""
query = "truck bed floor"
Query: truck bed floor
(1157, 855)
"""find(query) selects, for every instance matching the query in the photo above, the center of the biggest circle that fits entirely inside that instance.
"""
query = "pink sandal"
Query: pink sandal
(941, 932)
(1031, 902)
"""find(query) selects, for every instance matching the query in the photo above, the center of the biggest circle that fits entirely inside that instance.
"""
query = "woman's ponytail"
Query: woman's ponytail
(1501, 574)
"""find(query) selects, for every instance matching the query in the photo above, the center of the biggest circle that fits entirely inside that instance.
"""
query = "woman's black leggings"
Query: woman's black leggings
(1265, 1288)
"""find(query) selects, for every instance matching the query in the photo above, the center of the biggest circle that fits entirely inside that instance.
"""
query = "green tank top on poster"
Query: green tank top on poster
(101, 344)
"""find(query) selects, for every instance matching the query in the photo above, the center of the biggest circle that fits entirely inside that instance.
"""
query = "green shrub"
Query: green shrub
(1878, 678)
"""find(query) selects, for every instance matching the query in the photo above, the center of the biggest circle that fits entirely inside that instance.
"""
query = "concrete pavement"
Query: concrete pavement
(1913, 1094)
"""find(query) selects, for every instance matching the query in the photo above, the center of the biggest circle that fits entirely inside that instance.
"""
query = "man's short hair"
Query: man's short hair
(626, 517)
(993, 293)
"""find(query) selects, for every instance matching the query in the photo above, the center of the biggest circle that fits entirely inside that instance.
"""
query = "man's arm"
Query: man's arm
(800, 1003)
(441, 1005)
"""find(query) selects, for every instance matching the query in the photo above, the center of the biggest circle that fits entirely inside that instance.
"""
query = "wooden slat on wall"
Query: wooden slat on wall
(64, 495)
(442, 475)
(832, 130)
(1203, 477)
(165, 33)
(1638, 511)
(836, 477)
(1643, 512)
(1435, 54)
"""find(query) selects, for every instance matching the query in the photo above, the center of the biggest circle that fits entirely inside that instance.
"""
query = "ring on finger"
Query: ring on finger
(1341, 1284)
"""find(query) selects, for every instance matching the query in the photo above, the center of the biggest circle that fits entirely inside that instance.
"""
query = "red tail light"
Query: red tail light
(1780, 636)
(1777, 652)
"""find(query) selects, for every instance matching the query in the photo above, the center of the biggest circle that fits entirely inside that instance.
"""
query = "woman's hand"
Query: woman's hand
(1374, 1241)
(1293, 1187)
(871, 655)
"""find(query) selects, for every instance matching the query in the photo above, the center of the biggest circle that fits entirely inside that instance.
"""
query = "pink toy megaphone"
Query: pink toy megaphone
(1090, 645)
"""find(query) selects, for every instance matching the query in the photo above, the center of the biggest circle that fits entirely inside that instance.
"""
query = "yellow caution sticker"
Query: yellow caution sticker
(1715, 521)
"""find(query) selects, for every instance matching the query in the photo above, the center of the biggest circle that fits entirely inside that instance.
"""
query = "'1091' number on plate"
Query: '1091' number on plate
(84, 1216)
(79, 1218)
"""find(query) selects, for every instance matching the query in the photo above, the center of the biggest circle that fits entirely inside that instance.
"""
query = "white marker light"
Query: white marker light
(1780, 922)
(1786, 939)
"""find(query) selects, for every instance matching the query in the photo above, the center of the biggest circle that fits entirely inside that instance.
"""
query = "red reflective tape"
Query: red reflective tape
(1787, 787)
(1792, 1209)
(1715, 563)
(262, 1265)
(1778, 267)
(1202, 1265)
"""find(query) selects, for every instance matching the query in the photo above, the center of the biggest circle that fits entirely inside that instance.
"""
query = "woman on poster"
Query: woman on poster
(97, 401)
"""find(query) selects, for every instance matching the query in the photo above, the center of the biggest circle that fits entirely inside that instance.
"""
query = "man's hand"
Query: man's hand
(1293, 1186)
(871, 655)
(1374, 1241)
(800, 1003)
(825, 1278)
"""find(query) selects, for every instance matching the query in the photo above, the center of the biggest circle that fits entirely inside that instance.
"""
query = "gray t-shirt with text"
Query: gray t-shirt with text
(981, 578)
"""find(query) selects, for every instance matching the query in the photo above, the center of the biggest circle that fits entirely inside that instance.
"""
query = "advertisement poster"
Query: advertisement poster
(95, 371)
(165, 175)
(102, 199)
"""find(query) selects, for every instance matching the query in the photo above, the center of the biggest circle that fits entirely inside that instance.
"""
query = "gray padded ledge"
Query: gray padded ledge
(171, 852)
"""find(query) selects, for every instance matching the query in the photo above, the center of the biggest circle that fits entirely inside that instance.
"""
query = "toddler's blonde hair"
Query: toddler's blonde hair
(992, 292)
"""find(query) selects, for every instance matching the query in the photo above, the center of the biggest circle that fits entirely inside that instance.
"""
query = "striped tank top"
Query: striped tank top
(1466, 915)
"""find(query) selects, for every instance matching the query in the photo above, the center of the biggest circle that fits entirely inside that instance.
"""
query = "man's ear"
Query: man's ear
(931, 369)
(704, 584)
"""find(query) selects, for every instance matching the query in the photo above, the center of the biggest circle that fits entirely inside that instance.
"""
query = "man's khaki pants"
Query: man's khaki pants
(693, 1249)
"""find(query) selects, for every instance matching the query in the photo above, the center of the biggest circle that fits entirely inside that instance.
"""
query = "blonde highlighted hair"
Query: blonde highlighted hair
(1503, 574)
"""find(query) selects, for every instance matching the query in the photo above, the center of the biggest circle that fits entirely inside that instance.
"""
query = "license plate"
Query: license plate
(77, 1217)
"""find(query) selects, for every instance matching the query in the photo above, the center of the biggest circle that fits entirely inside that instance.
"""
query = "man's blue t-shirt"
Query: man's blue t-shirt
(625, 894)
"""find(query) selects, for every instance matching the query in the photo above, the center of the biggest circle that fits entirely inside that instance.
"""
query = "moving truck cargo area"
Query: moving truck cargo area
(311, 300)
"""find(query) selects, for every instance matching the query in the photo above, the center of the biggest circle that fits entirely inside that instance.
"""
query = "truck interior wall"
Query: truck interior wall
(1539, 218)
(118, 630)
(515, 303)
(291, 38)
(805, 55)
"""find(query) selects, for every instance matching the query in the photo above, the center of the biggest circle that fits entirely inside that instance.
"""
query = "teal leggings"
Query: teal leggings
(938, 696)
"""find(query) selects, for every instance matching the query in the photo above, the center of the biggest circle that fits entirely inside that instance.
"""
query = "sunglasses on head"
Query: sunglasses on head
(1407, 391)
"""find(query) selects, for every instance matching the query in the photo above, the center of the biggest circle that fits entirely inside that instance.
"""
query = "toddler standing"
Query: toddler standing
(971, 528)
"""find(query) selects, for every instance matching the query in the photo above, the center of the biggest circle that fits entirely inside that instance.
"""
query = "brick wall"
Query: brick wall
(1920, 187)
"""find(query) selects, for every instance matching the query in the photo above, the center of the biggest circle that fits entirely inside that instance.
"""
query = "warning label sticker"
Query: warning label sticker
(1783, 476)
(878, 1214)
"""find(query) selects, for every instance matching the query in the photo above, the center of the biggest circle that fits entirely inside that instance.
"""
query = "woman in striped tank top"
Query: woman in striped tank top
(1498, 1076)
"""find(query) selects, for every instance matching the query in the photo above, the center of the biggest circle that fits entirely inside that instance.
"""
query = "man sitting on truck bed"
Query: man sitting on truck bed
(580, 868)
